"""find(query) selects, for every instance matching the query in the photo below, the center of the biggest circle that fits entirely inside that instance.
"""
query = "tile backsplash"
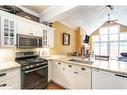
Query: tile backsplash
(7, 54)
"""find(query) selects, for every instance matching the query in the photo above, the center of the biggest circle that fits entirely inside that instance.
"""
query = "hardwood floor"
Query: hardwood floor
(54, 86)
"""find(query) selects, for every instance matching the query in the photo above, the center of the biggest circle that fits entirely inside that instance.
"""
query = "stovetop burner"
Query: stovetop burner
(30, 60)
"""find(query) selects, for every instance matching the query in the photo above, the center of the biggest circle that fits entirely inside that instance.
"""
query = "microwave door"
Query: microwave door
(33, 42)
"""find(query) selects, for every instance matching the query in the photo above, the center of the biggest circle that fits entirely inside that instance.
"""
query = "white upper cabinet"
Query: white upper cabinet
(8, 31)
(37, 30)
(23, 27)
(12, 25)
(48, 37)
(51, 37)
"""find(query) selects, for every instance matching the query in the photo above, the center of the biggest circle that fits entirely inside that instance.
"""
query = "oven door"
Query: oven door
(36, 78)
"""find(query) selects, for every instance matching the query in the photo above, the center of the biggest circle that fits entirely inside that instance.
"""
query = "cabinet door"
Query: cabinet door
(10, 84)
(120, 81)
(23, 27)
(103, 80)
(37, 30)
(57, 72)
(45, 38)
(8, 31)
(50, 38)
(83, 79)
(69, 79)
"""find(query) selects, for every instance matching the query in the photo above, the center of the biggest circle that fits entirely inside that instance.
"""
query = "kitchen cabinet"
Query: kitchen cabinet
(37, 30)
(107, 80)
(23, 27)
(10, 79)
(71, 76)
(12, 25)
(83, 78)
(51, 37)
(8, 31)
(57, 73)
(48, 37)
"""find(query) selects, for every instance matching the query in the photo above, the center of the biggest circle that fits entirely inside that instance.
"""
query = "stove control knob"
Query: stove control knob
(27, 67)
(31, 66)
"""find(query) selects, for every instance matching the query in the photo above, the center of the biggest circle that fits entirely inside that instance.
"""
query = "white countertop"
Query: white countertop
(8, 65)
(112, 65)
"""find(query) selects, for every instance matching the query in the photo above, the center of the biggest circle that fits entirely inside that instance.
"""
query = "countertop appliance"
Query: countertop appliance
(123, 57)
(34, 70)
(26, 41)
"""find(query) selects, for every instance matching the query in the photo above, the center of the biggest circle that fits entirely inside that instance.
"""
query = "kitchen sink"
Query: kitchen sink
(81, 61)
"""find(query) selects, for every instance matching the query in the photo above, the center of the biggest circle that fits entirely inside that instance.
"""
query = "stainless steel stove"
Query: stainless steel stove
(34, 70)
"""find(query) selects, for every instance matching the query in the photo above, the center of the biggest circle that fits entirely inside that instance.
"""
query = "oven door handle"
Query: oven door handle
(28, 71)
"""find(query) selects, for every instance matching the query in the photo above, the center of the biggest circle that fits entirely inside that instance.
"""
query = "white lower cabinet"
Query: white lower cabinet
(69, 79)
(10, 79)
(107, 80)
(83, 80)
(71, 76)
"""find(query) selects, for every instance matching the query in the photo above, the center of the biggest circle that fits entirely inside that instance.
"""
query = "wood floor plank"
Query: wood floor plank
(54, 86)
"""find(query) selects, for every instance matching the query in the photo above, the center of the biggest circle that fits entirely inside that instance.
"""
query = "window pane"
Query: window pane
(103, 49)
(113, 29)
(113, 37)
(103, 30)
(96, 48)
(123, 36)
(95, 38)
(113, 49)
(104, 38)
(123, 47)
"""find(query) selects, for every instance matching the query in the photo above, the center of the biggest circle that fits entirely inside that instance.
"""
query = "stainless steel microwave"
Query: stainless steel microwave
(26, 41)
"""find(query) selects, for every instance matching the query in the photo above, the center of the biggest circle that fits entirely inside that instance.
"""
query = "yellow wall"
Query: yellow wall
(122, 29)
(78, 40)
(59, 48)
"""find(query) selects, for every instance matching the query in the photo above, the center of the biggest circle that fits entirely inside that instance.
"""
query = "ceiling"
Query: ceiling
(37, 9)
(89, 18)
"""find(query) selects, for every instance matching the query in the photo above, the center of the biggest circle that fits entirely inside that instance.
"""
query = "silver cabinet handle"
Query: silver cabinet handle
(3, 74)
(119, 75)
(59, 63)
(69, 65)
(83, 69)
(31, 33)
(3, 85)
(76, 72)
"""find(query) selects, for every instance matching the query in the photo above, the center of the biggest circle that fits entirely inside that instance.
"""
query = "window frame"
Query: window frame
(108, 41)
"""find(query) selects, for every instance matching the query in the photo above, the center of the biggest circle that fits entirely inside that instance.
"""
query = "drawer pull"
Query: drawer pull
(31, 33)
(75, 72)
(69, 66)
(3, 85)
(59, 63)
(118, 75)
(83, 69)
(3, 74)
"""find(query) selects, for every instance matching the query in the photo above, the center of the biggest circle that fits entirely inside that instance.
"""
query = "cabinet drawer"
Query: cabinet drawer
(4, 75)
(10, 84)
(79, 68)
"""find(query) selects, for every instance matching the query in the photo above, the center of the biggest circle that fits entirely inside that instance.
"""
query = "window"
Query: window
(110, 41)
